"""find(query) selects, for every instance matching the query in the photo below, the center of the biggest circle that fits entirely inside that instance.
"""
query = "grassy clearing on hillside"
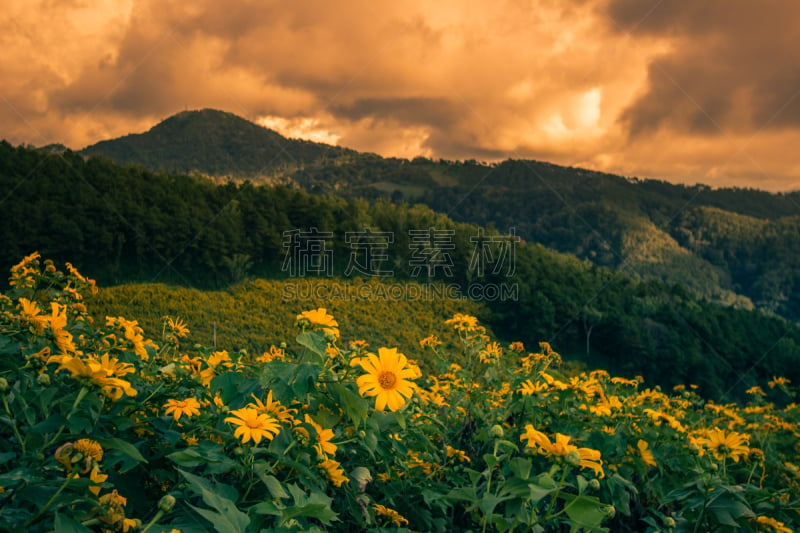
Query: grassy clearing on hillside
(256, 314)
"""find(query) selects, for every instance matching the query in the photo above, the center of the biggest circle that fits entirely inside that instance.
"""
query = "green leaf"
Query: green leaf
(315, 505)
(314, 341)
(228, 518)
(585, 511)
(273, 485)
(123, 446)
(729, 506)
(491, 460)
(355, 407)
(65, 524)
(520, 467)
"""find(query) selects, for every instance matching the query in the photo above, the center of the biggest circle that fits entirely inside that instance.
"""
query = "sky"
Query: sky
(686, 91)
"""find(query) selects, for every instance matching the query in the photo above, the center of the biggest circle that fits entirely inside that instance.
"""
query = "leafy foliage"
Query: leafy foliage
(104, 429)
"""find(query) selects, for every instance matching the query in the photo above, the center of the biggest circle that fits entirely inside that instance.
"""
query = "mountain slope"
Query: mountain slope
(214, 143)
(647, 228)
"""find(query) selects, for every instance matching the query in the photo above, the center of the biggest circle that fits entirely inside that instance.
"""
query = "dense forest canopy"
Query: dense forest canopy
(122, 224)
(734, 246)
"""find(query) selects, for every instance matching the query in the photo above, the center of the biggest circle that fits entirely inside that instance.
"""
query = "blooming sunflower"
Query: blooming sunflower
(253, 425)
(319, 317)
(589, 458)
(396, 518)
(462, 322)
(334, 470)
(274, 408)
(178, 408)
(646, 453)
(89, 448)
(324, 445)
(723, 444)
(104, 372)
(387, 378)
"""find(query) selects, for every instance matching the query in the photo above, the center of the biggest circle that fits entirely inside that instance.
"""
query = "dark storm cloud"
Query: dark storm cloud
(730, 67)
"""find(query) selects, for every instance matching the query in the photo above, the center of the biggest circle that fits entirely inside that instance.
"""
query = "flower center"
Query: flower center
(387, 380)
(253, 423)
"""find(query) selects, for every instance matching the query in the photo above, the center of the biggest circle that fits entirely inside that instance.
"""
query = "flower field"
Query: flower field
(107, 428)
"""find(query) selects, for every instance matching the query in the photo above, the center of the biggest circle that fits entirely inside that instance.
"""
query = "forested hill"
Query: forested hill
(738, 247)
(121, 224)
(214, 143)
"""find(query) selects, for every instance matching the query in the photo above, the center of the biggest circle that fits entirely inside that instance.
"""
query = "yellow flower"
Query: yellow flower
(756, 391)
(431, 341)
(334, 470)
(386, 378)
(274, 408)
(178, 327)
(528, 388)
(773, 524)
(589, 458)
(58, 321)
(113, 513)
(253, 425)
(89, 448)
(461, 455)
(97, 478)
(461, 322)
(324, 445)
(394, 517)
(777, 382)
(178, 408)
(723, 444)
(319, 317)
(490, 353)
(274, 354)
(103, 372)
(30, 313)
(624, 381)
(645, 453)
(605, 406)
(517, 346)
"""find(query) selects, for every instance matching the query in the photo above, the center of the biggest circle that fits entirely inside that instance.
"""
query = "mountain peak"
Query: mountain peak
(213, 142)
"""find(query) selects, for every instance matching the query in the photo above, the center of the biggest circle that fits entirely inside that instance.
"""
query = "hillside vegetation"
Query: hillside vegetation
(646, 228)
(125, 224)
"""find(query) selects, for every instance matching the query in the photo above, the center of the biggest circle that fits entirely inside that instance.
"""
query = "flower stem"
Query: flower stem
(47, 505)
(13, 422)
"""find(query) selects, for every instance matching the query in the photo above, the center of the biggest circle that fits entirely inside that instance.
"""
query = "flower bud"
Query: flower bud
(497, 431)
(669, 522)
(610, 511)
(362, 476)
(3, 384)
(573, 458)
(594, 484)
(166, 503)
(43, 379)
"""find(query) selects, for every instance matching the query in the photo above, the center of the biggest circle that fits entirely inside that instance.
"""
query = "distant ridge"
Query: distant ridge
(740, 247)
(214, 143)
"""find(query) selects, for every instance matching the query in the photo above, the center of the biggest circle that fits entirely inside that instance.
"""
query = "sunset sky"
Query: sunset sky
(682, 90)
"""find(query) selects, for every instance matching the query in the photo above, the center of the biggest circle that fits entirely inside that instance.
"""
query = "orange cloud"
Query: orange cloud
(623, 86)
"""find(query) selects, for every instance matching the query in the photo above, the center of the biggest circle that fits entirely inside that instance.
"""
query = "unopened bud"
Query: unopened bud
(594, 484)
(611, 511)
(669, 522)
(3, 384)
(166, 503)
(573, 458)
(43, 379)
(497, 431)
